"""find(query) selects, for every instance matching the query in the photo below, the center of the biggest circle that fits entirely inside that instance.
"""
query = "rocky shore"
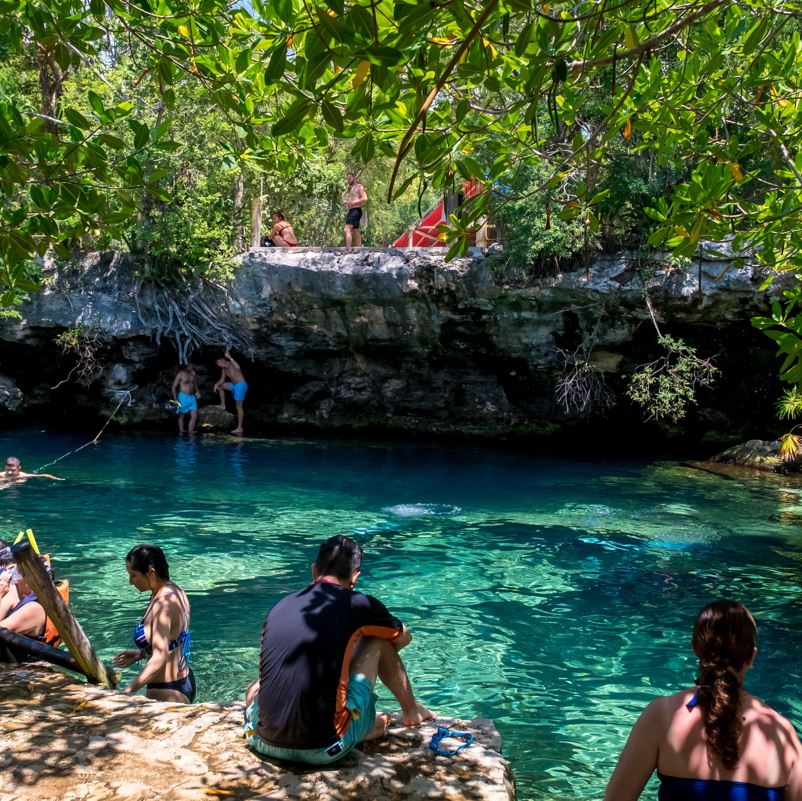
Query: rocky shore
(63, 740)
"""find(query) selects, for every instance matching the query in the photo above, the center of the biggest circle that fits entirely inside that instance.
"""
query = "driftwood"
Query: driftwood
(36, 576)
(21, 644)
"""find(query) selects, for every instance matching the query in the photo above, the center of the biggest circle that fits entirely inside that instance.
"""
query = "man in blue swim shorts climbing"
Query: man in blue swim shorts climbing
(233, 380)
(322, 650)
(186, 394)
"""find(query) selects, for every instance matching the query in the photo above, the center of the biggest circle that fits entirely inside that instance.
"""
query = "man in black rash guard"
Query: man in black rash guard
(322, 650)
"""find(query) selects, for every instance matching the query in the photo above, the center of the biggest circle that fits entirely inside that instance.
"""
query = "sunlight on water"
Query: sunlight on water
(555, 597)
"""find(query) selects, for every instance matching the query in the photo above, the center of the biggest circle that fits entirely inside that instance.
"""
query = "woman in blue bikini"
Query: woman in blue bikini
(715, 742)
(162, 635)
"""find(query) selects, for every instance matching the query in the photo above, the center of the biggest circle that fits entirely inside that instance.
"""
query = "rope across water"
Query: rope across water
(124, 395)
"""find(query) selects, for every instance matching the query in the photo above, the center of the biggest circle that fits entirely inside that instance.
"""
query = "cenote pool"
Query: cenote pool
(553, 596)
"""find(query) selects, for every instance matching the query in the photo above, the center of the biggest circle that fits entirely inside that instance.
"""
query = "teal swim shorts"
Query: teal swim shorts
(360, 700)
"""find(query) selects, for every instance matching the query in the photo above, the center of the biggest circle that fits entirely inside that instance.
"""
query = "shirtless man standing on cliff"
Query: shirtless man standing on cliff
(186, 394)
(233, 380)
(355, 198)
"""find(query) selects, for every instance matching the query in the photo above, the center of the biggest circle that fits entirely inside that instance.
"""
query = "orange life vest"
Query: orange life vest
(51, 636)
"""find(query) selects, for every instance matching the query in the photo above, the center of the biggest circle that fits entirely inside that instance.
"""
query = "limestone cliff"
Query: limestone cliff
(393, 339)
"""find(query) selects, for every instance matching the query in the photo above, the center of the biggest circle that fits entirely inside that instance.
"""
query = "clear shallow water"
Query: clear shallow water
(553, 596)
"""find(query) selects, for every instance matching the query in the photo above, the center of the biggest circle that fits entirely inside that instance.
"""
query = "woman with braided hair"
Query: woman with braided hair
(715, 742)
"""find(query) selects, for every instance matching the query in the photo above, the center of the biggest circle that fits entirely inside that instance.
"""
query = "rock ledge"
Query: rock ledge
(67, 741)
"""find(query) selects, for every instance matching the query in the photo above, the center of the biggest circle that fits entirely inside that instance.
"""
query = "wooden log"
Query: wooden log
(41, 650)
(256, 222)
(72, 634)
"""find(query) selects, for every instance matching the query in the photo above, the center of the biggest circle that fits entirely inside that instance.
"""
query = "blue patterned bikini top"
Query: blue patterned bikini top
(182, 641)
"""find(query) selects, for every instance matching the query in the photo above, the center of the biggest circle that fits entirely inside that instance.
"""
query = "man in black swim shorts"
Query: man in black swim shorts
(322, 649)
(355, 198)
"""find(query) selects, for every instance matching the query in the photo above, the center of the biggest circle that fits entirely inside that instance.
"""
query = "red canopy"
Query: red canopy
(424, 234)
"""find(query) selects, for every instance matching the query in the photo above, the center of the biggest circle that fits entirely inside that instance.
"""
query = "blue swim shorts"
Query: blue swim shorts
(187, 403)
(238, 390)
(360, 700)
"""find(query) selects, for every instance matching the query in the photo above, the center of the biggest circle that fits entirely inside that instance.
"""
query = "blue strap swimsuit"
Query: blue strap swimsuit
(182, 640)
(674, 789)
(28, 599)
(185, 685)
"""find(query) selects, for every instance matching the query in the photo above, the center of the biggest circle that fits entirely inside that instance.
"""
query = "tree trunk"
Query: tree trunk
(239, 201)
(51, 81)
(256, 222)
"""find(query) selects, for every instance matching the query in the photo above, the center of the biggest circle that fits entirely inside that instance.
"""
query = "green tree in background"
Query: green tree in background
(704, 93)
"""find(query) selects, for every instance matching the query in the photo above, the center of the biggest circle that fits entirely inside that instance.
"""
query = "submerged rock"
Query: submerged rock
(67, 741)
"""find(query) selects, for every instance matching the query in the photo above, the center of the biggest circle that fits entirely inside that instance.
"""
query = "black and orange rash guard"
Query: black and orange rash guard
(307, 641)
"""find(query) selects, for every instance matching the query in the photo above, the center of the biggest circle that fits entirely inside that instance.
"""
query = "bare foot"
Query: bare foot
(383, 720)
(221, 406)
(237, 431)
(416, 716)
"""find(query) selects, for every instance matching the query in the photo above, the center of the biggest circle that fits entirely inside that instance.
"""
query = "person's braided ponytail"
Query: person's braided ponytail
(724, 639)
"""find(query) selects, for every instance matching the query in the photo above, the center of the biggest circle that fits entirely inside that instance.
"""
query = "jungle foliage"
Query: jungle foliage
(153, 122)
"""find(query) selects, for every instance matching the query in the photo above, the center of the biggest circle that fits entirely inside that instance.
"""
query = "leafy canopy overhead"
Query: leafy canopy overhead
(459, 89)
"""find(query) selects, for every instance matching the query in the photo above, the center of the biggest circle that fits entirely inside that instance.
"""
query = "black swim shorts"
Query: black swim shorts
(353, 217)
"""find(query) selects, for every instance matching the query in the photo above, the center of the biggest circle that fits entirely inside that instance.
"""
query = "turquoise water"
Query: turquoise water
(553, 596)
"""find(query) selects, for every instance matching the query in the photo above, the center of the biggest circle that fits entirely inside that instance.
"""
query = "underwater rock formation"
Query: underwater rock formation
(67, 741)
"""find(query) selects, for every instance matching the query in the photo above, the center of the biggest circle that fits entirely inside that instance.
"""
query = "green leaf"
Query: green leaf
(404, 186)
(96, 101)
(293, 117)
(332, 115)
(77, 119)
(470, 168)
(283, 9)
(141, 134)
(243, 60)
(389, 56)
(524, 37)
(275, 67)
(37, 196)
(62, 55)
(599, 197)
(755, 36)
